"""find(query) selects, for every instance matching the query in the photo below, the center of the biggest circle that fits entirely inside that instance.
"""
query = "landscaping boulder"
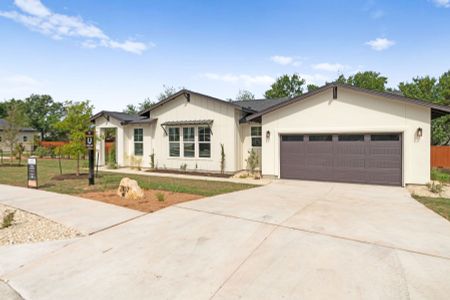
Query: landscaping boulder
(130, 189)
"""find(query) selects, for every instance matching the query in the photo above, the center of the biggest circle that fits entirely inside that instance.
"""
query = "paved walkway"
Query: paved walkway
(87, 216)
(289, 239)
(262, 181)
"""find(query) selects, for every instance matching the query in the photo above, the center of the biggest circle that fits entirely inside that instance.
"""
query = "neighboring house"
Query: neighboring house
(26, 137)
(336, 133)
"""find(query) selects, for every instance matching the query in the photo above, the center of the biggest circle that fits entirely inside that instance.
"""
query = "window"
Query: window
(189, 142)
(351, 138)
(174, 142)
(320, 138)
(292, 138)
(204, 142)
(256, 136)
(25, 138)
(138, 141)
(384, 137)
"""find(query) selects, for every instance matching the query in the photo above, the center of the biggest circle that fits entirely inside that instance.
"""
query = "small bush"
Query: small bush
(43, 152)
(152, 160)
(435, 187)
(8, 219)
(160, 196)
(183, 167)
(252, 161)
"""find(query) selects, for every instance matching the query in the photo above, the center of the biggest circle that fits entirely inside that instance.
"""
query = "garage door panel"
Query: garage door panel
(345, 158)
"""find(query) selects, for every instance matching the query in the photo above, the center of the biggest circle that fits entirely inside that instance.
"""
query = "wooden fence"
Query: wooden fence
(52, 144)
(440, 156)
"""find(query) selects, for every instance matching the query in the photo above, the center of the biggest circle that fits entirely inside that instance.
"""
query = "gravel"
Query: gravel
(30, 228)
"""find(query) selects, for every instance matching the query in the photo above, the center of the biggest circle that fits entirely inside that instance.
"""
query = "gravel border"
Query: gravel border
(31, 228)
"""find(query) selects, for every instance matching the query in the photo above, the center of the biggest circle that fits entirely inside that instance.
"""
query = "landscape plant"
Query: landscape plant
(222, 159)
(8, 219)
(18, 151)
(152, 160)
(15, 121)
(183, 167)
(252, 161)
(160, 196)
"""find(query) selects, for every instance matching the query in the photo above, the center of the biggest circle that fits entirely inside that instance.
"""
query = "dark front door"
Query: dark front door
(359, 158)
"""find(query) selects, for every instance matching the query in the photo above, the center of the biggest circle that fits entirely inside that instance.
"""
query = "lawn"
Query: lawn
(48, 169)
(439, 205)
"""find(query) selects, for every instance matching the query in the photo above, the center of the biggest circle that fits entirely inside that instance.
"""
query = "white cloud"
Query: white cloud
(18, 85)
(329, 67)
(317, 79)
(442, 3)
(285, 60)
(380, 44)
(39, 18)
(242, 78)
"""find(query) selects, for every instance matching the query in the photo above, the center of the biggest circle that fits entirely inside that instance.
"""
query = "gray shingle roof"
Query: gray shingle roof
(123, 118)
(4, 123)
(259, 104)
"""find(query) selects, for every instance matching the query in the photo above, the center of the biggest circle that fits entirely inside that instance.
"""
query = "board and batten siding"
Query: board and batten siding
(102, 123)
(352, 112)
(225, 130)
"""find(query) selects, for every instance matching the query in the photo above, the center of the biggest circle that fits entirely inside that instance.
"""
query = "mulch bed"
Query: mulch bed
(190, 173)
(150, 203)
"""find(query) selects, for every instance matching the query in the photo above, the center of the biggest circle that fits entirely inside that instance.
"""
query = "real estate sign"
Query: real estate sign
(32, 173)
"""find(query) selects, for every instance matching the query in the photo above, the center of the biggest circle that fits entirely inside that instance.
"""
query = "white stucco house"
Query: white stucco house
(26, 136)
(336, 133)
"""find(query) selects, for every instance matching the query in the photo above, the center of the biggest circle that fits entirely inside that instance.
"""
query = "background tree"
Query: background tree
(131, 109)
(146, 104)
(286, 86)
(166, 93)
(43, 113)
(245, 95)
(312, 87)
(435, 91)
(366, 80)
(15, 121)
(76, 122)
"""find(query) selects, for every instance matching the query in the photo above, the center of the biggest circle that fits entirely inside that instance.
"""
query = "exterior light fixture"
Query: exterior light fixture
(419, 132)
(267, 134)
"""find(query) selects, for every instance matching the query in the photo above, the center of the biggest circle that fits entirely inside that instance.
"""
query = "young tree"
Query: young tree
(43, 113)
(286, 86)
(245, 95)
(15, 120)
(76, 123)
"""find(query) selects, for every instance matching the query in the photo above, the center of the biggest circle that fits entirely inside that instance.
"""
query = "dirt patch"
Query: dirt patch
(150, 203)
(423, 191)
(189, 173)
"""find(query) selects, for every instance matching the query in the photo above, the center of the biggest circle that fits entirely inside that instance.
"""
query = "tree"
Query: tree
(166, 93)
(76, 123)
(435, 91)
(131, 109)
(146, 104)
(286, 86)
(312, 87)
(15, 121)
(245, 95)
(367, 80)
(43, 113)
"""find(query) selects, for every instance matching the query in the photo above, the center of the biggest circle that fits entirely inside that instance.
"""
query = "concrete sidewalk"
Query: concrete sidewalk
(86, 216)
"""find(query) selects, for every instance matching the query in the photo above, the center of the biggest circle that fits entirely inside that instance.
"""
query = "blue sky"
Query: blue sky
(119, 52)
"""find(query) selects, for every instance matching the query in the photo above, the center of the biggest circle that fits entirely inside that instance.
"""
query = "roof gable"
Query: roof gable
(437, 110)
(122, 117)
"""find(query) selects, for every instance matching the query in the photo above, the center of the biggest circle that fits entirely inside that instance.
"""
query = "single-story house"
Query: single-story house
(335, 133)
(26, 136)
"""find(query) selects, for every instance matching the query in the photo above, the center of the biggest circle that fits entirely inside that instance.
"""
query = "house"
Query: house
(26, 137)
(335, 133)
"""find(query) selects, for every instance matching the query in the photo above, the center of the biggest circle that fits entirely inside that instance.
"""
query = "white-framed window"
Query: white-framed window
(256, 133)
(189, 141)
(138, 141)
(25, 138)
(174, 141)
(204, 142)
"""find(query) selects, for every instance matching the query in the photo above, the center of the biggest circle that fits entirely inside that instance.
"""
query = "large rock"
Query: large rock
(130, 189)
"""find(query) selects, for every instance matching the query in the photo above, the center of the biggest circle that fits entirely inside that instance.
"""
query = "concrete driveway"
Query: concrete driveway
(290, 239)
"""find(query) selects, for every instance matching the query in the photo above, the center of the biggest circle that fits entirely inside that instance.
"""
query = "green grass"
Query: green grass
(440, 175)
(47, 169)
(439, 205)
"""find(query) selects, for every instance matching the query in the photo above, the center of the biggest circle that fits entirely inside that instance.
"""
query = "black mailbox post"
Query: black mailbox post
(90, 143)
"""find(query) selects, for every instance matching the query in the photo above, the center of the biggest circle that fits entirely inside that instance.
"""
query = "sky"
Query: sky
(116, 53)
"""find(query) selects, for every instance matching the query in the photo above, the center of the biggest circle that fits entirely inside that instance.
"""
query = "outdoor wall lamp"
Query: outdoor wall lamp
(267, 134)
(419, 132)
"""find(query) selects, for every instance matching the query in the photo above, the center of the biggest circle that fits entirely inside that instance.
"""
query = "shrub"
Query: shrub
(136, 162)
(435, 187)
(440, 175)
(152, 160)
(8, 219)
(42, 152)
(252, 160)
(222, 159)
(183, 167)
(160, 196)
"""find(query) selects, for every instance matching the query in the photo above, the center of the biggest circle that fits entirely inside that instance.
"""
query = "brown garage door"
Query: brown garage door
(360, 158)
